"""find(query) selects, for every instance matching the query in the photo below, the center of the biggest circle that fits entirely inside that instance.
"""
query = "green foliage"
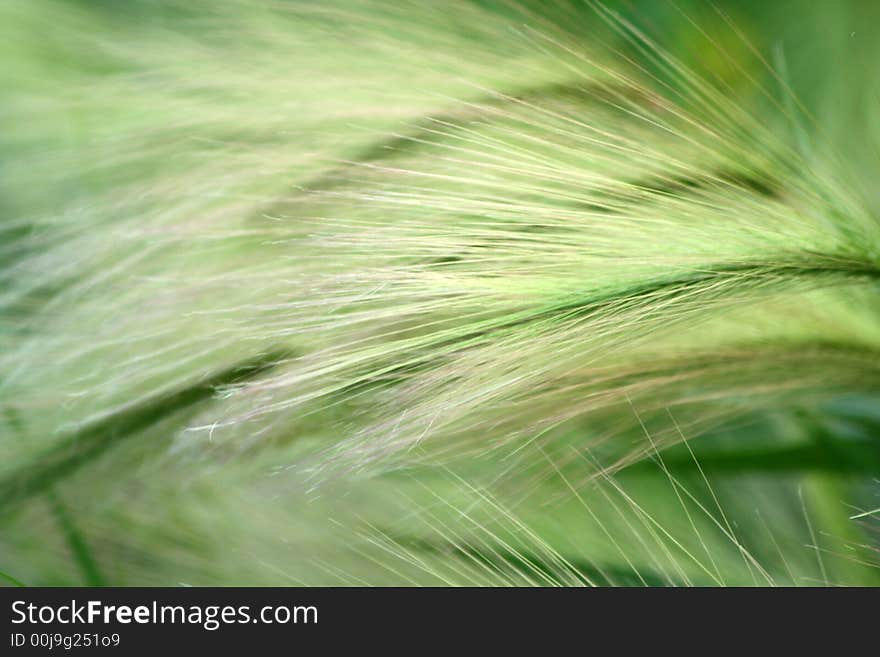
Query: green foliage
(461, 293)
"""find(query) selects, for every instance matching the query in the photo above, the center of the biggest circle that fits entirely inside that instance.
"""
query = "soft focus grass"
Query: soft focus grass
(472, 293)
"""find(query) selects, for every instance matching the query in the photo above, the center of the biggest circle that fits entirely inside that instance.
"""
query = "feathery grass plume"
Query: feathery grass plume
(471, 292)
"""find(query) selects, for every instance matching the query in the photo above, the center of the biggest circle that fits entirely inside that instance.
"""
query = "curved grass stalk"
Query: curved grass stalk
(507, 238)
